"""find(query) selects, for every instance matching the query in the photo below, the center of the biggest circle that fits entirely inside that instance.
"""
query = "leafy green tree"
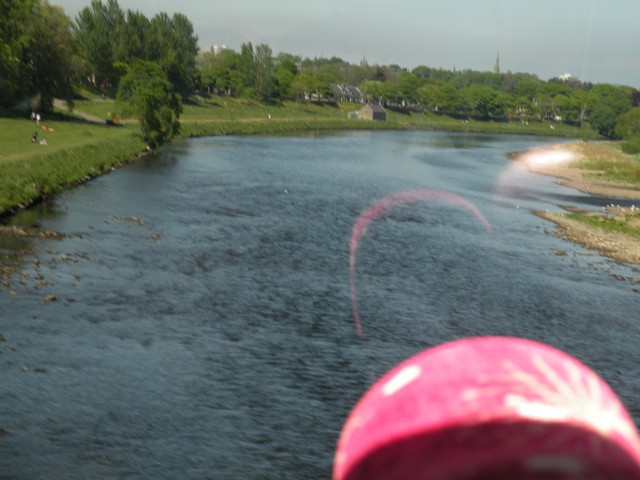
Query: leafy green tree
(352, 74)
(247, 67)
(422, 72)
(525, 85)
(285, 74)
(603, 120)
(38, 54)
(221, 73)
(407, 85)
(13, 25)
(553, 89)
(486, 101)
(628, 124)
(263, 68)
(53, 65)
(391, 93)
(174, 46)
(442, 97)
(134, 39)
(567, 107)
(303, 85)
(605, 105)
(98, 29)
(146, 93)
(374, 90)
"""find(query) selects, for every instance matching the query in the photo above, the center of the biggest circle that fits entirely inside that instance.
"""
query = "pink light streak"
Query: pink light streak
(382, 207)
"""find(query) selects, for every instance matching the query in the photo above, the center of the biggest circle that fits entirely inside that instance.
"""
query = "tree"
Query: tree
(605, 105)
(247, 67)
(146, 92)
(525, 85)
(134, 41)
(441, 97)
(603, 120)
(174, 46)
(486, 101)
(13, 22)
(374, 90)
(628, 124)
(285, 74)
(51, 56)
(407, 85)
(98, 30)
(263, 71)
(38, 57)
(567, 107)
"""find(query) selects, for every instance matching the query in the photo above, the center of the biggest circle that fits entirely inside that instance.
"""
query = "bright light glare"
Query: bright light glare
(545, 158)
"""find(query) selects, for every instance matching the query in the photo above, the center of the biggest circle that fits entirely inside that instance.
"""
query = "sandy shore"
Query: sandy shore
(571, 170)
(569, 164)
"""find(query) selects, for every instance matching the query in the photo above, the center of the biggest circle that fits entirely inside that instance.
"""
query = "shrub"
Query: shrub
(632, 145)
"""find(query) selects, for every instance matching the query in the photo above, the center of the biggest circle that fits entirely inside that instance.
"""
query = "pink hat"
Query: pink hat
(489, 408)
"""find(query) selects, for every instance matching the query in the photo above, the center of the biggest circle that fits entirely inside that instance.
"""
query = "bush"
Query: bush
(632, 145)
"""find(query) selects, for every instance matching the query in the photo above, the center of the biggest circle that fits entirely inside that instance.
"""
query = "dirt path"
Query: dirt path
(85, 116)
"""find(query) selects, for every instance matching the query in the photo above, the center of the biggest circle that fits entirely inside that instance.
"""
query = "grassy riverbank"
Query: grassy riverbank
(80, 145)
(598, 168)
(74, 153)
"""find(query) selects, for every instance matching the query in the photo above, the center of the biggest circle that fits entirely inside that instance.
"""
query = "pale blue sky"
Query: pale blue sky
(594, 40)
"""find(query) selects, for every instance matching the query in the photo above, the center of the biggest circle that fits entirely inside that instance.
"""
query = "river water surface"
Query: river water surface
(199, 319)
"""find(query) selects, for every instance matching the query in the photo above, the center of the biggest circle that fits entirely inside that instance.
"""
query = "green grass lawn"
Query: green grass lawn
(16, 144)
(626, 226)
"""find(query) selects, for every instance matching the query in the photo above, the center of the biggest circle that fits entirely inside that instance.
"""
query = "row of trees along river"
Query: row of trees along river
(151, 61)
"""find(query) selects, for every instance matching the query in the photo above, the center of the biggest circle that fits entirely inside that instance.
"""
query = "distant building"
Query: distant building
(215, 49)
(347, 94)
(369, 112)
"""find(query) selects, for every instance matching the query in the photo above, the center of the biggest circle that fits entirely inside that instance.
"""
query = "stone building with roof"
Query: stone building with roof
(369, 112)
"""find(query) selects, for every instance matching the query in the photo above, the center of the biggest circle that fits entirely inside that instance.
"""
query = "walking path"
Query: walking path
(60, 104)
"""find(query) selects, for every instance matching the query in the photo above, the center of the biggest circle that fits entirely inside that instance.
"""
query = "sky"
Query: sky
(593, 40)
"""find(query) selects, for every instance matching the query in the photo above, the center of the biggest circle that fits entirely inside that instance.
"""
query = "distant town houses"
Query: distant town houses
(347, 93)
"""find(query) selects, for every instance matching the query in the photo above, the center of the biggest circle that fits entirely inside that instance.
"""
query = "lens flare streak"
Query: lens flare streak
(382, 207)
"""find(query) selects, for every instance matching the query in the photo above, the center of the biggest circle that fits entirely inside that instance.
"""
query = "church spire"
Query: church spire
(496, 67)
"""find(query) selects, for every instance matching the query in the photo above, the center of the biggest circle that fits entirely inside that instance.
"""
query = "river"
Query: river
(195, 321)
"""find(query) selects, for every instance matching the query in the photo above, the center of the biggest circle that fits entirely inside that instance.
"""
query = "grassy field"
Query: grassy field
(626, 225)
(16, 144)
(607, 161)
(80, 145)
(75, 151)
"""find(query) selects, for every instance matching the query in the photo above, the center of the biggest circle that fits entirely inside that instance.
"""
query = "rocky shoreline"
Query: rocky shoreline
(570, 171)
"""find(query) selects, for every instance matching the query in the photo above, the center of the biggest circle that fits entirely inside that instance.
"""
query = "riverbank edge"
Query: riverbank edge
(37, 180)
(619, 247)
